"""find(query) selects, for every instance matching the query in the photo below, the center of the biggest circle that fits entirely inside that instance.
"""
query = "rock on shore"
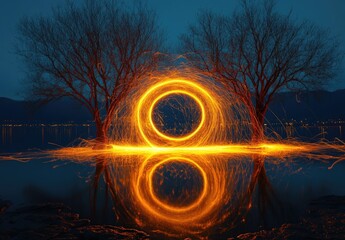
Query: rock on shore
(56, 222)
(324, 219)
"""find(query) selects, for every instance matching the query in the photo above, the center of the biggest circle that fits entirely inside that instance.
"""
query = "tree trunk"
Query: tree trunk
(101, 135)
(257, 120)
(258, 134)
(259, 179)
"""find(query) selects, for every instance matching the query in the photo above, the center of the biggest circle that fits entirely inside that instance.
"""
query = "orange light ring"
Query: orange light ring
(182, 138)
(171, 208)
(210, 199)
(211, 122)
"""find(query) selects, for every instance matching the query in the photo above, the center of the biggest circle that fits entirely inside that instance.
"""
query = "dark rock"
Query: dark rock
(324, 219)
(57, 222)
(4, 205)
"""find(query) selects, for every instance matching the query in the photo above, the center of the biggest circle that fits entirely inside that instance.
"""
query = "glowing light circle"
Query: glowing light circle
(169, 207)
(211, 117)
(214, 187)
(215, 126)
(181, 138)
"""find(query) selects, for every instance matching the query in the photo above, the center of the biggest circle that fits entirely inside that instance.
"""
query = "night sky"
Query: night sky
(174, 18)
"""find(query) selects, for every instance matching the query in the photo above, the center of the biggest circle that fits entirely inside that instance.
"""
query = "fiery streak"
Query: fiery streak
(267, 149)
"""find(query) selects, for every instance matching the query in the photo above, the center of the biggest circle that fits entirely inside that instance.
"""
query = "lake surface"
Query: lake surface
(296, 181)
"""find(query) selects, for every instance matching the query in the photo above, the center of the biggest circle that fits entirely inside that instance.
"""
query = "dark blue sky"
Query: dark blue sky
(174, 17)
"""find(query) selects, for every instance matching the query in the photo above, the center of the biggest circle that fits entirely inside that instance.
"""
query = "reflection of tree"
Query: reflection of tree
(267, 200)
(101, 168)
(114, 175)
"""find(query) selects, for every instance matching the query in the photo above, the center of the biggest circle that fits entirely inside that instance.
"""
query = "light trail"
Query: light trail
(266, 149)
(242, 149)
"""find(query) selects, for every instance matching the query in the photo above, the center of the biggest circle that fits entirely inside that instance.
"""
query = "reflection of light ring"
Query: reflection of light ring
(209, 120)
(185, 137)
(169, 207)
(205, 204)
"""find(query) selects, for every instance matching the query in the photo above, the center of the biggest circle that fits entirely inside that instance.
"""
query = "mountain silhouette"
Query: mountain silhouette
(61, 110)
(309, 106)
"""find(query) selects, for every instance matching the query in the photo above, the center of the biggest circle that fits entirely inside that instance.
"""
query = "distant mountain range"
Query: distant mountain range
(310, 106)
(59, 111)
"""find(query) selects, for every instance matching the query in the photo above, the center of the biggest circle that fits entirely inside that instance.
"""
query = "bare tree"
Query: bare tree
(257, 52)
(93, 52)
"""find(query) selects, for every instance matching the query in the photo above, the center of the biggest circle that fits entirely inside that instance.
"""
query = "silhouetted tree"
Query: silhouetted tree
(93, 52)
(257, 52)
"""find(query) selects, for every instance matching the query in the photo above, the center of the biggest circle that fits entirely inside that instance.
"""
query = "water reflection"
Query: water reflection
(197, 195)
(240, 193)
(209, 192)
(184, 195)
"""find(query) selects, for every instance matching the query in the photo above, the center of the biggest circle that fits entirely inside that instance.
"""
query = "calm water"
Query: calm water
(43, 180)
(297, 182)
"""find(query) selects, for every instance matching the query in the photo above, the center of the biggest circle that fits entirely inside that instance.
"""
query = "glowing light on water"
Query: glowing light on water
(212, 148)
